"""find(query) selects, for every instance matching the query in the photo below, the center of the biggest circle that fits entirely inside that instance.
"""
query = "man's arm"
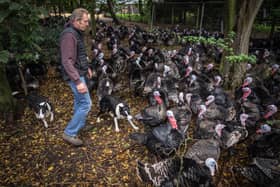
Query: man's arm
(68, 48)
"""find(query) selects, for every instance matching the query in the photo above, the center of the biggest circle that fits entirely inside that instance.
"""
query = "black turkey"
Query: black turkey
(253, 112)
(170, 86)
(163, 140)
(183, 118)
(205, 128)
(155, 114)
(177, 172)
(210, 110)
(153, 81)
(155, 99)
(266, 146)
(194, 101)
(263, 129)
(261, 172)
(270, 110)
(272, 83)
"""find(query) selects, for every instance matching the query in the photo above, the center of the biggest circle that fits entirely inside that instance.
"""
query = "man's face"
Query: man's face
(83, 23)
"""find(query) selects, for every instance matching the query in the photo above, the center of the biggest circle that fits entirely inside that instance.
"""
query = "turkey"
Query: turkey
(203, 149)
(163, 140)
(270, 110)
(253, 112)
(206, 128)
(272, 83)
(155, 114)
(231, 134)
(153, 81)
(262, 172)
(178, 172)
(156, 95)
(222, 98)
(194, 101)
(170, 86)
(183, 118)
(266, 146)
(210, 110)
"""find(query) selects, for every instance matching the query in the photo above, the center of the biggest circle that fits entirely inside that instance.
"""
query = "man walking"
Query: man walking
(74, 70)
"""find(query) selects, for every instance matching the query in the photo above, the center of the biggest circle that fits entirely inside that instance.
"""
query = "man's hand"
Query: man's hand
(82, 88)
(89, 73)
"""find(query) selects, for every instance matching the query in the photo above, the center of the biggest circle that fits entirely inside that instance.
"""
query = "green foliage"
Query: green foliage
(130, 17)
(224, 44)
(261, 28)
(241, 58)
(4, 56)
(211, 41)
(20, 30)
(50, 44)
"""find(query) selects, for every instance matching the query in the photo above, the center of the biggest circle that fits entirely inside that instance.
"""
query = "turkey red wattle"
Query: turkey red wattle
(158, 99)
(246, 92)
(173, 122)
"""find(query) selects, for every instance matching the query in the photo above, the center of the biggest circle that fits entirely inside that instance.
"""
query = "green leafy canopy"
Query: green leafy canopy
(20, 32)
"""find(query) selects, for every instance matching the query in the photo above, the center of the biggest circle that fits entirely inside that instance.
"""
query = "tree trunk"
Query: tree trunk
(54, 9)
(140, 6)
(246, 17)
(111, 10)
(271, 33)
(7, 104)
(244, 23)
(93, 21)
(229, 17)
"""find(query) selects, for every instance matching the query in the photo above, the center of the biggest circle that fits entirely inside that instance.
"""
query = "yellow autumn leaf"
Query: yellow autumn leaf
(125, 177)
(50, 168)
(107, 151)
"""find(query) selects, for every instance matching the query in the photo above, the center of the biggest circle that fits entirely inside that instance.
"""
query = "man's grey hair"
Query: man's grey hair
(78, 13)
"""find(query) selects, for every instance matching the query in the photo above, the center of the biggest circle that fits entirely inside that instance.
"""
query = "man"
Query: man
(75, 69)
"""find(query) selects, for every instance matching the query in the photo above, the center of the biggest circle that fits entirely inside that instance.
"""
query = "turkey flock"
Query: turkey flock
(183, 86)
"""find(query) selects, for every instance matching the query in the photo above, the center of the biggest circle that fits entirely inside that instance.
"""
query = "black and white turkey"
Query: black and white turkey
(177, 172)
(203, 149)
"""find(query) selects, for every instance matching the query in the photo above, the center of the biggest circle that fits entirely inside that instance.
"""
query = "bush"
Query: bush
(131, 17)
(261, 28)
